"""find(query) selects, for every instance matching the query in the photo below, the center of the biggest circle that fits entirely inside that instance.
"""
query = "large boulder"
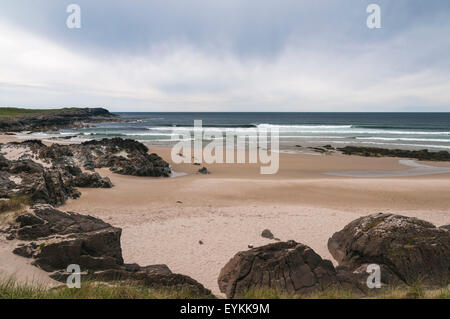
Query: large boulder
(57, 239)
(64, 238)
(408, 249)
(290, 267)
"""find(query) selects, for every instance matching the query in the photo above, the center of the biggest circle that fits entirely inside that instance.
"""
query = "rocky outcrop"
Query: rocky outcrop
(408, 249)
(57, 239)
(121, 156)
(40, 184)
(50, 174)
(55, 119)
(424, 155)
(63, 238)
(291, 267)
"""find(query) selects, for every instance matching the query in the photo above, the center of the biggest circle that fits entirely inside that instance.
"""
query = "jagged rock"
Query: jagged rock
(49, 174)
(446, 227)
(123, 156)
(59, 239)
(291, 267)
(266, 233)
(64, 238)
(409, 249)
(42, 185)
(91, 180)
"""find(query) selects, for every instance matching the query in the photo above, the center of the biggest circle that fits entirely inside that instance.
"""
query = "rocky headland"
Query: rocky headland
(16, 120)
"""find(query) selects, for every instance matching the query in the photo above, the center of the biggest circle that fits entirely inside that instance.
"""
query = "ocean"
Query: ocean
(387, 130)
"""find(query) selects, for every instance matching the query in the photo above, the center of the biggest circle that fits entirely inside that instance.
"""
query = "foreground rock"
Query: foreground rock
(50, 174)
(379, 152)
(407, 249)
(56, 239)
(291, 267)
(55, 119)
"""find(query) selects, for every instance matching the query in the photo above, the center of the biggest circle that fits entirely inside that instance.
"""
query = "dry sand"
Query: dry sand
(163, 219)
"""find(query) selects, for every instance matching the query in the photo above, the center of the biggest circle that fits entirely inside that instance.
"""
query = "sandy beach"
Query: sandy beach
(163, 219)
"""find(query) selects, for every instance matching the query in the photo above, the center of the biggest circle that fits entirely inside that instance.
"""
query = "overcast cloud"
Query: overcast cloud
(203, 55)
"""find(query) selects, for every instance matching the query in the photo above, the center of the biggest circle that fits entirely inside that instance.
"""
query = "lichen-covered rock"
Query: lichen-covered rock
(288, 266)
(408, 248)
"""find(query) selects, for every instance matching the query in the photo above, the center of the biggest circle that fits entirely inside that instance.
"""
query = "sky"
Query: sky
(246, 55)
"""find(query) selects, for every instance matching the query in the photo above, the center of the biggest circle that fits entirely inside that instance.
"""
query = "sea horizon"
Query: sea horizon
(403, 130)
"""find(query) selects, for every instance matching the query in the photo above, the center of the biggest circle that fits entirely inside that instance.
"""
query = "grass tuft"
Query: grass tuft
(12, 289)
(14, 203)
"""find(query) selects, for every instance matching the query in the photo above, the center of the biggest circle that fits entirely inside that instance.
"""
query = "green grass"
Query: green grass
(416, 291)
(16, 112)
(11, 289)
(14, 203)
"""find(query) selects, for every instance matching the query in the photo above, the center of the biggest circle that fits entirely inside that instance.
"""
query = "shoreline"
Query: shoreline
(163, 219)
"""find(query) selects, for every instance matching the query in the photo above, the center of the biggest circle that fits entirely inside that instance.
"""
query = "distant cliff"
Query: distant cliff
(15, 119)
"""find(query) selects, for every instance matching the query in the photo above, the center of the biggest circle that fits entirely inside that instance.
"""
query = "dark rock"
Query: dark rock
(204, 171)
(266, 233)
(288, 266)
(446, 227)
(56, 181)
(409, 249)
(379, 152)
(91, 180)
(66, 238)
(122, 156)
